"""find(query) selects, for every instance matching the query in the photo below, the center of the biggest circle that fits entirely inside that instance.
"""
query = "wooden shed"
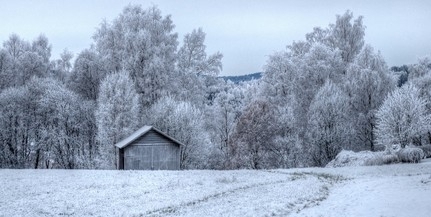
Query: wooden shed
(149, 149)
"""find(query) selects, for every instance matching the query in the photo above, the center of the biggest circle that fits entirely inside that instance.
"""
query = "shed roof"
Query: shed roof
(142, 131)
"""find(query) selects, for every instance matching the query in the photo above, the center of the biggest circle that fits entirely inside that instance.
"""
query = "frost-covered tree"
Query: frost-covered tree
(35, 61)
(43, 125)
(420, 76)
(289, 76)
(6, 77)
(279, 77)
(87, 74)
(294, 78)
(329, 127)
(117, 115)
(15, 46)
(222, 117)
(192, 57)
(15, 149)
(184, 122)
(26, 60)
(368, 81)
(60, 131)
(420, 69)
(402, 118)
(42, 48)
(347, 36)
(286, 146)
(61, 68)
(143, 43)
(195, 67)
(253, 136)
(314, 68)
(318, 35)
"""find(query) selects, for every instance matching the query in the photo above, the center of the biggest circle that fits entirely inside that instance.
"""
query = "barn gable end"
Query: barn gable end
(149, 149)
(152, 137)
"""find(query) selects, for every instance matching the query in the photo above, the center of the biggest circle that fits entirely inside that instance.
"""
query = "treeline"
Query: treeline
(321, 95)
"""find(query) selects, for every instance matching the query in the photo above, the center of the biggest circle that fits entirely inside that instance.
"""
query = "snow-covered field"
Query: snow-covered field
(390, 190)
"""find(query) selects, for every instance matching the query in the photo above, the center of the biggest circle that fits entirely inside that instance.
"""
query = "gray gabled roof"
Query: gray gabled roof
(142, 131)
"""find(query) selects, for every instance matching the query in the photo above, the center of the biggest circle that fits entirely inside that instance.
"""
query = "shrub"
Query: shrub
(381, 160)
(350, 158)
(427, 150)
(410, 155)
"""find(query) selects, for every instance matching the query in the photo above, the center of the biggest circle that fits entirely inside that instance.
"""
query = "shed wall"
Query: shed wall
(152, 151)
(152, 137)
(152, 157)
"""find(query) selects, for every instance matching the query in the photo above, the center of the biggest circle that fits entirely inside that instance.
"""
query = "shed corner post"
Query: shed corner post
(120, 159)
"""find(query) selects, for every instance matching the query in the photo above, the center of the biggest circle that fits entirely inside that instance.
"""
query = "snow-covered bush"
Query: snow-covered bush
(351, 158)
(410, 155)
(362, 158)
(389, 158)
(382, 159)
(427, 150)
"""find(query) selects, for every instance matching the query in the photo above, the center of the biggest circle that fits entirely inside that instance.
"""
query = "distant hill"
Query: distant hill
(241, 78)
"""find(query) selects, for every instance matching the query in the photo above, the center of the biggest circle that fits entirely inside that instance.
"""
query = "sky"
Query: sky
(246, 32)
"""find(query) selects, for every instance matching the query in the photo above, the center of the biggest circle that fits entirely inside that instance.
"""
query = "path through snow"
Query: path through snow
(402, 190)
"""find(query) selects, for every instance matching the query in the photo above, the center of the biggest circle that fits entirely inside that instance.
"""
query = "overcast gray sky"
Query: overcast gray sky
(246, 32)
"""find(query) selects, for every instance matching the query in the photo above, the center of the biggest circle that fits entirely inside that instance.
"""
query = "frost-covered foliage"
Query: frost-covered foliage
(192, 57)
(279, 77)
(225, 112)
(44, 125)
(142, 42)
(329, 127)
(316, 67)
(117, 115)
(420, 76)
(368, 83)
(196, 69)
(61, 68)
(253, 134)
(265, 137)
(21, 60)
(420, 69)
(329, 55)
(286, 147)
(347, 36)
(88, 72)
(184, 122)
(402, 118)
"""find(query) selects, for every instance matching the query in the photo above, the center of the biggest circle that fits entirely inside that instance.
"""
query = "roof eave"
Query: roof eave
(128, 140)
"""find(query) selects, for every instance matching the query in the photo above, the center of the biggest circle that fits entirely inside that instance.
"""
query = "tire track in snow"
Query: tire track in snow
(173, 209)
(259, 191)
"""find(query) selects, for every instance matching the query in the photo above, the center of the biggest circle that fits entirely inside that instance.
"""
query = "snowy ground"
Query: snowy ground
(391, 190)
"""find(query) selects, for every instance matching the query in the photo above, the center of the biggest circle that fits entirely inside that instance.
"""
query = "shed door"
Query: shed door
(152, 157)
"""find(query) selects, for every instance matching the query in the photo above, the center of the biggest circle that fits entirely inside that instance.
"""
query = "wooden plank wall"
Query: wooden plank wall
(152, 151)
